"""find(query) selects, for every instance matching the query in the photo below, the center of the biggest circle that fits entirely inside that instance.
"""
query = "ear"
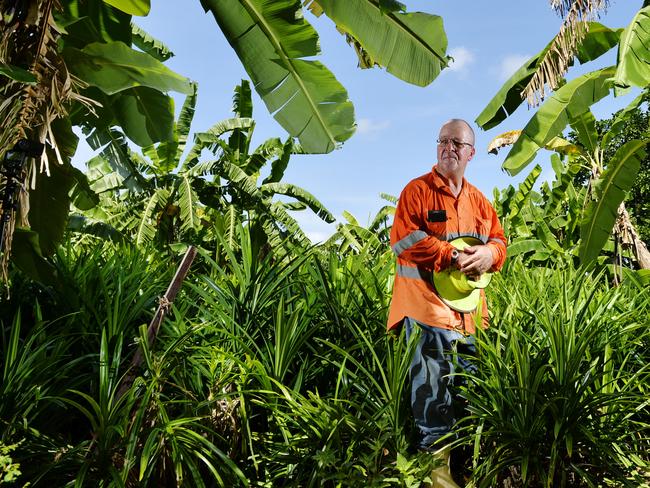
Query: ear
(471, 154)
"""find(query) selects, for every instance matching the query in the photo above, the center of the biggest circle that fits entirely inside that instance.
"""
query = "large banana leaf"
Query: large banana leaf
(116, 154)
(598, 41)
(145, 220)
(114, 67)
(412, 46)
(271, 39)
(633, 63)
(600, 215)
(166, 156)
(570, 101)
(211, 139)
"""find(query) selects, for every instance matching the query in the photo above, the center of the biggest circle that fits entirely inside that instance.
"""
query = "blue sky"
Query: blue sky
(397, 122)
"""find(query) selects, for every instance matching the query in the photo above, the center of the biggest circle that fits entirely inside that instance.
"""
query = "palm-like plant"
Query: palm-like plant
(559, 398)
(172, 197)
(596, 212)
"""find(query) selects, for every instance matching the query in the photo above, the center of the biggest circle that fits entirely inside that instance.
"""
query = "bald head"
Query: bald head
(464, 126)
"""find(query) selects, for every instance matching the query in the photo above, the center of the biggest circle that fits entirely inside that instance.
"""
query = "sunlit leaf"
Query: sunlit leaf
(131, 7)
(633, 62)
(272, 40)
(114, 67)
(411, 46)
(552, 117)
(615, 181)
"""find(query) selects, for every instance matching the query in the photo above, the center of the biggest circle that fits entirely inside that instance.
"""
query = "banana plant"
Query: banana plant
(170, 195)
(601, 203)
(273, 40)
(70, 64)
(354, 237)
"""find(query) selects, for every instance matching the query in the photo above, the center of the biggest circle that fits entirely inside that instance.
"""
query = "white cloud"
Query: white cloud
(463, 57)
(370, 126)
(510, 64)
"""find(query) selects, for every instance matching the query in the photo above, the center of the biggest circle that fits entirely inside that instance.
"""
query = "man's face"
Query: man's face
(452, 158)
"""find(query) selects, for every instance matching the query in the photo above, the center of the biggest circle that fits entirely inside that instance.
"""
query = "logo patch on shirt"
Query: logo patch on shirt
(437, 216)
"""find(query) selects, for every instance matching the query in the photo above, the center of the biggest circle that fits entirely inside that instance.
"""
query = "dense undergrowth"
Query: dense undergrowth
(277, 371)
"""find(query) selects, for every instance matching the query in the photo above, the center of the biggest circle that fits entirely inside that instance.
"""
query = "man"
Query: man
(433, 210)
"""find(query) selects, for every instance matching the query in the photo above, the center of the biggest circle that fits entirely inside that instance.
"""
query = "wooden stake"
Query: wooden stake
(164, 305)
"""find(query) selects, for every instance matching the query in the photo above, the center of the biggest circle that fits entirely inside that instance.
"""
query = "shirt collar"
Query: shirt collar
(441, 183)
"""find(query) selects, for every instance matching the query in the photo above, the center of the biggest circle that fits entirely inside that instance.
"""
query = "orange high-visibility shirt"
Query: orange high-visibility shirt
(428, 215)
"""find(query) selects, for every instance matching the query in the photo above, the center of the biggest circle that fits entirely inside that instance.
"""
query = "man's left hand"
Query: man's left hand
(475, 260)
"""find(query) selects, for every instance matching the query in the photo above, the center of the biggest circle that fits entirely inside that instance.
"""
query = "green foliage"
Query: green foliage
(633, 62)
(275, 369)
(633, 122)
(169, 197)
(568, 102)
(560, 396)
(412, 46)
(598, 40)
(9, 470)
(611, 187)
(303, 95)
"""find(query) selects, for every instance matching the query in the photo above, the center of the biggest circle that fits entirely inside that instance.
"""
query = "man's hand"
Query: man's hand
(473, 261)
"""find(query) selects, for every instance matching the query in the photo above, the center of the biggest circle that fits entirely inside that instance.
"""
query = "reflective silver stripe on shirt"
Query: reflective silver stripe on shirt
(411, 239)
(455, 235)
(413, 272)
(496, 239)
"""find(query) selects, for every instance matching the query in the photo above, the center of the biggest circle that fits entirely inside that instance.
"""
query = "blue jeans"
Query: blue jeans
(438, 354)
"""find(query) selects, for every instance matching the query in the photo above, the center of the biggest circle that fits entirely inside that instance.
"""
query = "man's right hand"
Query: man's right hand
(473, 261)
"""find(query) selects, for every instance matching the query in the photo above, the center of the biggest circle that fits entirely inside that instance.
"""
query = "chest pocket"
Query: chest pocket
(437, 223)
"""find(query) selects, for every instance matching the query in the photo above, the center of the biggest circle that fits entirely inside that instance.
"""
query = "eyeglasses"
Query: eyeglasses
(457, 144)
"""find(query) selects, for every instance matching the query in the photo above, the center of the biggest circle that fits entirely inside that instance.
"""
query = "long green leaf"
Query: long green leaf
(166, 156)
(17, 74)
(302, 196)
(523, 192)
(271, 39)
(117, 154)
(146, 220)
(633, 62)
(585, 126)
(113, 67)
(187, 201)
(149, 44)
(412, 46)
(600, 215)
(279, 165)
(525, 245)
(598, 41)
(568, 102)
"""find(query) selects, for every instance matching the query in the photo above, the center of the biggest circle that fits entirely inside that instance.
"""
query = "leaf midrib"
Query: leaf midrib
(409, 31)
(260, 20)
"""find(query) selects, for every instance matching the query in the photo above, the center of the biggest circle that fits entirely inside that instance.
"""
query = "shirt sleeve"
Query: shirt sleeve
(410, 241)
